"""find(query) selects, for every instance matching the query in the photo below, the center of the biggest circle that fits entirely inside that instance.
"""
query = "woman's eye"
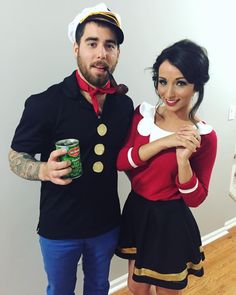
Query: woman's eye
(181, 83)
(162, 82)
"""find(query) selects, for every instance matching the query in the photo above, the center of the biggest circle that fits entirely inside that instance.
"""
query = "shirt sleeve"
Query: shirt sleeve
(34, 129)
(128, 157)
(195, 190)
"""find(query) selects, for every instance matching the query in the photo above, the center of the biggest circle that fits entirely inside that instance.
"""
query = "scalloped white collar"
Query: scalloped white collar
(147, 127)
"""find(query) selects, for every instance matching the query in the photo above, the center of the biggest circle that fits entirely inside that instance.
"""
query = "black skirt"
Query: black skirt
(164, 240)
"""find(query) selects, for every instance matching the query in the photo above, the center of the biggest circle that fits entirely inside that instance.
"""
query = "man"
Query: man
(79, 217)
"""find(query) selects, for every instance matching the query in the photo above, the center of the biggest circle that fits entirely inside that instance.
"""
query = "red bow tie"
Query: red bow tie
(93, 92)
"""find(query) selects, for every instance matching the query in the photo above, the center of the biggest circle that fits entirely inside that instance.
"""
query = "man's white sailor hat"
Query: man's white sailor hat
(99, 12)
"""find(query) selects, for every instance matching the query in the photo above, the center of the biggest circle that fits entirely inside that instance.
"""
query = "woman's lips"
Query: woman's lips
(171, 103)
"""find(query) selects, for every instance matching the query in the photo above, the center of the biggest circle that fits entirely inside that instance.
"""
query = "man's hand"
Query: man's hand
(27, 167)
(53, 170)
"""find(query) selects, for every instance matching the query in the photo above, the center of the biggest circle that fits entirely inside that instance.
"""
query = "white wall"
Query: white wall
(36, 53)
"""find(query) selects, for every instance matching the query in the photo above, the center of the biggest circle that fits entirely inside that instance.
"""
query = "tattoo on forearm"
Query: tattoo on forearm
(24, 165)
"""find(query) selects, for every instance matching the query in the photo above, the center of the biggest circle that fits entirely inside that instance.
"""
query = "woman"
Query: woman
(168, 156)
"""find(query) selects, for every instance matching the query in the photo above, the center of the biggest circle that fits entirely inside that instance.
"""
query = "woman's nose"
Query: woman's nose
(169, 92)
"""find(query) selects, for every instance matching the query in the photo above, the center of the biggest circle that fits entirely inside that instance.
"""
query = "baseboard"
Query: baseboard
(214, 235)
(230, 223)
(121, 282)
(219, 232)
(118, 284)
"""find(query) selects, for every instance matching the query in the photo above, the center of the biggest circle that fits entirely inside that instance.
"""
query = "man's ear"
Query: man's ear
(76, 49)
(118, 52)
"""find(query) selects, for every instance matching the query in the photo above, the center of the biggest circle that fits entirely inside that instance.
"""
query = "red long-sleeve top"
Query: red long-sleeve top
(157, 178)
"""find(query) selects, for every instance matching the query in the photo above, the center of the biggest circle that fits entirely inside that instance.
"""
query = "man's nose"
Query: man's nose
(101, 51)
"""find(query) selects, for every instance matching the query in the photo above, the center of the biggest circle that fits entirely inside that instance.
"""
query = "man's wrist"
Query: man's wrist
(43, 176)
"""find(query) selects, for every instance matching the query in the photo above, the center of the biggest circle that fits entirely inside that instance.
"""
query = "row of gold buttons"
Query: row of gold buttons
(99, 149)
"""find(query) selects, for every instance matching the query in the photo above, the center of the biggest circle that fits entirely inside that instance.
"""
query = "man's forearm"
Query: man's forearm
(24, 165)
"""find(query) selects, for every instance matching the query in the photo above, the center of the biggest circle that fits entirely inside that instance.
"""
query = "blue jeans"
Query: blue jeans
(61, 259)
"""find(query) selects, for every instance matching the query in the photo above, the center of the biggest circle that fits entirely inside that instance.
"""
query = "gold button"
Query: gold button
(99, 149)
(102, 129)
(98, 167)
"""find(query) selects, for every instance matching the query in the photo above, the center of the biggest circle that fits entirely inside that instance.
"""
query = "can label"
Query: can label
(72, 155)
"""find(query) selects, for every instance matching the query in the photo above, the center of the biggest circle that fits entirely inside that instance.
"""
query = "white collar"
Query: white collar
(147, 127)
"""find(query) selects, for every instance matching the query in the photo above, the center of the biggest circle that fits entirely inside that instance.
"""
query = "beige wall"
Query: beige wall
(36, 53)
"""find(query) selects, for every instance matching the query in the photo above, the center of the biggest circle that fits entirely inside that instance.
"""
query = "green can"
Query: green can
(72, 155)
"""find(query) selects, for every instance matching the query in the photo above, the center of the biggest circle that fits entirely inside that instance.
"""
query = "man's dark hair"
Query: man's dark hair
(80, 29)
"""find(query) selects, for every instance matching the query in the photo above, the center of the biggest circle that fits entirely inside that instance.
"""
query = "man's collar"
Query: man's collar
(70, 86)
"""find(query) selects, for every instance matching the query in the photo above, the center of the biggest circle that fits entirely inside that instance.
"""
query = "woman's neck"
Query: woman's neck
(171, 121)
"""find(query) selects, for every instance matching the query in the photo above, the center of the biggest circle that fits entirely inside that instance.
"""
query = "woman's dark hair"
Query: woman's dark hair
(192, 61)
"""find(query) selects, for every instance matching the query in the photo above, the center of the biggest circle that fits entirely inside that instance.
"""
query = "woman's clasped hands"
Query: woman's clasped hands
(189, 141)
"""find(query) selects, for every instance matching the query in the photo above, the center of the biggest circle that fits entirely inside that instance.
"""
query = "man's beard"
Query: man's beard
(95, 81)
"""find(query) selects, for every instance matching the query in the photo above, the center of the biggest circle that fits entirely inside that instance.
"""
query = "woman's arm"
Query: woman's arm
(137, 149)
(194, 189)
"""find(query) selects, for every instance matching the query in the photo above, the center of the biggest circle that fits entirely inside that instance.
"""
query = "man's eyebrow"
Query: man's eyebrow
(91, 39)
(111, 41)
(96, 39)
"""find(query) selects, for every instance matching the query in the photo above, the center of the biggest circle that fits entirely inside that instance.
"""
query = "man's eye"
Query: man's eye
(92, 44)
(111, 46)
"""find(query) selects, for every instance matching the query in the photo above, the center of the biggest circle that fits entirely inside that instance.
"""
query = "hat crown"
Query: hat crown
(99, 9)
